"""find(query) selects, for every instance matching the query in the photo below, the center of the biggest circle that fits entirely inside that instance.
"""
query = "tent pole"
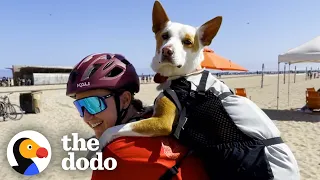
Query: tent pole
(295, 73)
(306, 73)
(284, 74)
(262, 75)
(278, 85)
(289, 87)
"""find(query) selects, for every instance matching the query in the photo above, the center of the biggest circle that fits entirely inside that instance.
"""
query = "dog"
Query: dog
(179, 52)
(204, 123)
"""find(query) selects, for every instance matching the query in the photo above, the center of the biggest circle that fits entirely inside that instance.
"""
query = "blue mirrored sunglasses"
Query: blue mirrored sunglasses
(93, 104)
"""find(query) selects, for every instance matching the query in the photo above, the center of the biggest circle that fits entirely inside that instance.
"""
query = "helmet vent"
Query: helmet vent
(94, 69)
(73, 76)
(108, 65)
(91, 71)
(109, 57)
(114, 72)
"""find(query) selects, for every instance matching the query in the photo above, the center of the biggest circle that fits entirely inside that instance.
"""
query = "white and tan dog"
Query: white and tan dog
(179, 52)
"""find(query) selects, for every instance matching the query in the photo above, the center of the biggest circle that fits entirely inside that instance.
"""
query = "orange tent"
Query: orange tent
(214, 61)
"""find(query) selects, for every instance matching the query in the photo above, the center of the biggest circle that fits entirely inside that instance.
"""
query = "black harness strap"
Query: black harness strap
(272, 141)
(168, 175)
(181, 122)
(222, 95)
(201, 89)
(169, 93)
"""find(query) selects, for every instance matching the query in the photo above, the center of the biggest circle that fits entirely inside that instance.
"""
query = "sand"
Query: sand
(58, 117)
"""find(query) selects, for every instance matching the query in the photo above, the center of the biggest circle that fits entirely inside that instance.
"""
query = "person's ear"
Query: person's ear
(125, 99)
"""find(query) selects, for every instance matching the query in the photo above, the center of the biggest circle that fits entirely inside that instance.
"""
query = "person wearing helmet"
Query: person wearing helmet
(103, 86)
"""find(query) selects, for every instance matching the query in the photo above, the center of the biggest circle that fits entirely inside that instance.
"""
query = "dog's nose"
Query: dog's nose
(167, 51)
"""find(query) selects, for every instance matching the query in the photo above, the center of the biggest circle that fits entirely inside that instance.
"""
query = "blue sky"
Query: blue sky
(61, 33)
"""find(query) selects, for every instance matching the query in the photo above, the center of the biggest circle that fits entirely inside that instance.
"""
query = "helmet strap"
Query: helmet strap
(121, 113)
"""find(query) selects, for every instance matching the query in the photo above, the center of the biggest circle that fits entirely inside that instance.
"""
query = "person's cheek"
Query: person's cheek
(87, 117)
(108, 117)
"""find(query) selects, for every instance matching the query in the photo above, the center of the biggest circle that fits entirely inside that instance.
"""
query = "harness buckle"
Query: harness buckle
(185, 120)
(202, 93)
(192, 94)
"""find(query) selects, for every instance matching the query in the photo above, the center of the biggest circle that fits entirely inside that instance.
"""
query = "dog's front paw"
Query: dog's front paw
(119, 131)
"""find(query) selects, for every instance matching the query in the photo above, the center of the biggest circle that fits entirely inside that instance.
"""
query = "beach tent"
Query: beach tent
(214, 61)
(307, 52)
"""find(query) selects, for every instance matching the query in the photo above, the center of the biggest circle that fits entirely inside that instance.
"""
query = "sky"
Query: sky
(61, 32)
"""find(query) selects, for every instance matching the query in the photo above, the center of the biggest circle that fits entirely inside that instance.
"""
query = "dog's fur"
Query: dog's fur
(186, 44)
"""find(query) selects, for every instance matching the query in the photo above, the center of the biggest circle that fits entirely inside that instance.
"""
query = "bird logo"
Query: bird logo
(29, 153)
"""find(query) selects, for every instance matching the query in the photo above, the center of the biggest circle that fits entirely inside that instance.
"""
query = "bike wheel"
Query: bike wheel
(18, 111)
(3, 113)
(11, 112)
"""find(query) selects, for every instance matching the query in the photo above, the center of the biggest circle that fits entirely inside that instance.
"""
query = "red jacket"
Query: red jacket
(147, 158)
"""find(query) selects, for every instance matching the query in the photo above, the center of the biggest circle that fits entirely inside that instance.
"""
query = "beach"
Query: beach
(58, 117)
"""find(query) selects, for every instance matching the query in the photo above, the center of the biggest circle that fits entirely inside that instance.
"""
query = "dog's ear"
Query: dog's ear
(159, 17)
(209, 30)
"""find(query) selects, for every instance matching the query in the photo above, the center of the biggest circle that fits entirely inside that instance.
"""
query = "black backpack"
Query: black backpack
(208, 130)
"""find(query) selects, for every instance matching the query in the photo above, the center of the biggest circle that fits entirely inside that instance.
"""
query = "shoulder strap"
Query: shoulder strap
(168, 175)
(222, 95)
(172, 95)
(201, 89)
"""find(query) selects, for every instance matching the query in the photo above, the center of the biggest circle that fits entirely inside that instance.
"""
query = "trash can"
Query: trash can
(30, 102)
(36, 101)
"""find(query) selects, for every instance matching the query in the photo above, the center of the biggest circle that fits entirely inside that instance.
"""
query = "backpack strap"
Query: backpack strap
(173, 97)
(182, 121)
(171, 94)
(222, 95)
(201, 89)
(168, 175)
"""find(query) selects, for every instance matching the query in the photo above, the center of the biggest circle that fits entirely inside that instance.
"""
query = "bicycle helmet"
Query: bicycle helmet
(103, 71)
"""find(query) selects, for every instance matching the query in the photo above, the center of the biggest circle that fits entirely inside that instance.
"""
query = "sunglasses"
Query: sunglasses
(93, 104)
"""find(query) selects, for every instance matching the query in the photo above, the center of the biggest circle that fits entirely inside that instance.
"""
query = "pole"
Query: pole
(306, 73)
(278, 85)
(289, 87)
(295, 73)
(262, 75)
(284, 74)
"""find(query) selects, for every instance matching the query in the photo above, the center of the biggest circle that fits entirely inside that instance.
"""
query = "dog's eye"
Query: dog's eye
(187, 42)
(165, 36)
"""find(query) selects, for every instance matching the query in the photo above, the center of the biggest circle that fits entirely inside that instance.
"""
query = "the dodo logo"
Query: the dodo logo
(29, 152)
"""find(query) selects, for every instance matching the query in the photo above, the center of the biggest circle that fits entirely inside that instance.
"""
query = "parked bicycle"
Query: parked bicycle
(9, 110)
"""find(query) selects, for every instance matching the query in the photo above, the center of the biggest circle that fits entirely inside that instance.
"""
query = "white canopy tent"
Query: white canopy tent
(307, 52)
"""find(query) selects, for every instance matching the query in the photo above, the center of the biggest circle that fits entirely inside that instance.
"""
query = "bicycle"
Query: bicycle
(9, 110)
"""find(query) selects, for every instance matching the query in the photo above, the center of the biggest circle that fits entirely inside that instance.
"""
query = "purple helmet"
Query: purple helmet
(103, 71)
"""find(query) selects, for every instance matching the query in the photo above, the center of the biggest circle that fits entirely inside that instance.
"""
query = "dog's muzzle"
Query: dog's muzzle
(167, 54)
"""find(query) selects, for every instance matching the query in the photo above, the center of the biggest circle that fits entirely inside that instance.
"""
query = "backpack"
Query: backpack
(207, 126)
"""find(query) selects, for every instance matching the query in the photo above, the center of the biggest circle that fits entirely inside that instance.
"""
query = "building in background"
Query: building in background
(40, 75)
